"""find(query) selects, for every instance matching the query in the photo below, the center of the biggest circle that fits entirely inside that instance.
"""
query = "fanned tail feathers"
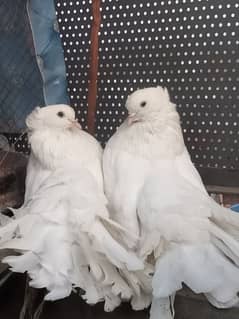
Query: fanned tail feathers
(117, 254)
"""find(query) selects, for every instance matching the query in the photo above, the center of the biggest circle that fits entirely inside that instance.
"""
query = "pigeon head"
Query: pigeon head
(145, 103)
(57, 116)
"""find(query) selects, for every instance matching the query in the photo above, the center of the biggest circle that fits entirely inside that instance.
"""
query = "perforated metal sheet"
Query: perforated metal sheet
(190, 46)
(74, 19)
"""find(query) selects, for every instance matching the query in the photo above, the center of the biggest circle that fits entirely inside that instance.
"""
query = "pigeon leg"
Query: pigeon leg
(162, 308)
(33, 302)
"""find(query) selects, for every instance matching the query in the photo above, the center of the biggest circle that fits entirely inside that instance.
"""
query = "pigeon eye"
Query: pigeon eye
(143, 104)
(60, 114)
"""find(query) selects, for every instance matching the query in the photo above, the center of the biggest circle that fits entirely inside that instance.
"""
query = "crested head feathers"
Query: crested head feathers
(57, 116)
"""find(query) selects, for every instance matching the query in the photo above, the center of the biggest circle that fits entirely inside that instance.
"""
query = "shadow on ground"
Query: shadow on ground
(187, 305)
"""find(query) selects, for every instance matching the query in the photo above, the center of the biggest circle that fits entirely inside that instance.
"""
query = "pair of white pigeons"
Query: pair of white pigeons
(155, 229)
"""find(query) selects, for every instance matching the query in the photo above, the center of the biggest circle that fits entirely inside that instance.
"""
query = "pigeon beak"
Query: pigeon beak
(132, 118)
(75, 123)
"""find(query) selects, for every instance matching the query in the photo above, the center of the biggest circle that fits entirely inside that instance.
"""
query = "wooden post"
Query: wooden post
(94, 61)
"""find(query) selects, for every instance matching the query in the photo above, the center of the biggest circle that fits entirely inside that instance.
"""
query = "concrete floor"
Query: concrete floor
(188, 306)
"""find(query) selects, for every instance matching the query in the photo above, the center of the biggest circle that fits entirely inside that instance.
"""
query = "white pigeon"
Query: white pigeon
(61, 229)
(156, 193)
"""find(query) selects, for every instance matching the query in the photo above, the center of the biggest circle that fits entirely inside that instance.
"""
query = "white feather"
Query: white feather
(154, 188)
(61, 229)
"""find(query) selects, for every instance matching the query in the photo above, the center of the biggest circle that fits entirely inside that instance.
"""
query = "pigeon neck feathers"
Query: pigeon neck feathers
(50, 146)
(58, 148)
(158, 136)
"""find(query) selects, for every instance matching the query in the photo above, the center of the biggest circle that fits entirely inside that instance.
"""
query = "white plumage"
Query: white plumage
(155, 191)
(61, 229)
